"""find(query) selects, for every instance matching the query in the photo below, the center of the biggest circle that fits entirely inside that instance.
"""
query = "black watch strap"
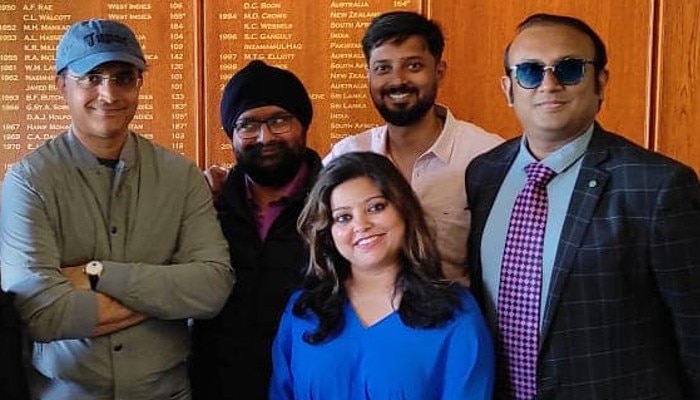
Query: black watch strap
(93, 281)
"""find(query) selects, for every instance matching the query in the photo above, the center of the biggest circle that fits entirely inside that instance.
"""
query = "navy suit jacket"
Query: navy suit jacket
(622, 317)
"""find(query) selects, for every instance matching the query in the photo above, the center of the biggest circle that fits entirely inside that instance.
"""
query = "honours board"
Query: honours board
(31, 110)
(192, 49)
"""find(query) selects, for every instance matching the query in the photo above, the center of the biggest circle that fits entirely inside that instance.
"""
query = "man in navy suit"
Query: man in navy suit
(620, 286)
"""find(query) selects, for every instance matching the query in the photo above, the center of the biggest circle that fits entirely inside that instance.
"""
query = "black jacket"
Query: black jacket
(13, 385)
(231, 356)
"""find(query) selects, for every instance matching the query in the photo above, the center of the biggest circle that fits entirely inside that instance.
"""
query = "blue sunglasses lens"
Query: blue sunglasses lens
(530, 75)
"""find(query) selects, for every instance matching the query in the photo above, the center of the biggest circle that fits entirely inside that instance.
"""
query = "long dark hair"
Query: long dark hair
(427, 300)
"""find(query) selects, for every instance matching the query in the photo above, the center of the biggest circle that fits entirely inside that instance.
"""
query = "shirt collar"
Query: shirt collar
(83, 156)
(561, 159)
(443, 145)
(288, 190)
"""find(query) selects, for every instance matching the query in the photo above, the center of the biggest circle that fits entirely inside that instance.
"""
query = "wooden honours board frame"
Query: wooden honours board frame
(192, 48)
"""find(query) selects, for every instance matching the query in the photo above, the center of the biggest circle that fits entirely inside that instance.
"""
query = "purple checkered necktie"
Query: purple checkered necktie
(520, 287)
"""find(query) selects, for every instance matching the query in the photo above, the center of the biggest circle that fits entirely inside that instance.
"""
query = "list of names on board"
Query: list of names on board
(192, 48)
(32, 110)
(318, 41)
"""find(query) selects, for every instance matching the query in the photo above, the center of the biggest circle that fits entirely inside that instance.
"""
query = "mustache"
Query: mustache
(256, 149)
(402, 88)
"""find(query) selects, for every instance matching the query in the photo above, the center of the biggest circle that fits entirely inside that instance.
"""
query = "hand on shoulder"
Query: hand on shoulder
(216, 176)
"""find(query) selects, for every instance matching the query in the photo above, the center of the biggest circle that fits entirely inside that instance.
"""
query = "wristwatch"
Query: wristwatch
(93, 270)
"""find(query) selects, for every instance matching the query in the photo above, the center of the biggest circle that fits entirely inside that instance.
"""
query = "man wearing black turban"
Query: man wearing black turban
(266, 113)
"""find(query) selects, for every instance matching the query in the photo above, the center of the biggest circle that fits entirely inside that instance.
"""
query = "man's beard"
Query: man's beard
(278, 174)
(406, 114)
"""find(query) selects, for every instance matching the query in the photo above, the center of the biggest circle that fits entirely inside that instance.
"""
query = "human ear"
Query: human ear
(507, 88)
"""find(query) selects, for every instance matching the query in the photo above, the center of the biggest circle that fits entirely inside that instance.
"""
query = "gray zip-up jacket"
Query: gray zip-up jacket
(150, 220)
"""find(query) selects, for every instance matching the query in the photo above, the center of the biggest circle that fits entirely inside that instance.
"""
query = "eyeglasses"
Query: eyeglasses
(249, 128)
(122, 80)
(569, 71)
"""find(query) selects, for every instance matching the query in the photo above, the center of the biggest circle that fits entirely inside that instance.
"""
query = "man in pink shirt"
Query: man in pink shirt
(425, 141)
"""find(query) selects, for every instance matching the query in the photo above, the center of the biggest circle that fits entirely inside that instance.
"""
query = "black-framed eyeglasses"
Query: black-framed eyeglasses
(250, 128)
(122, 80)
(569, 71)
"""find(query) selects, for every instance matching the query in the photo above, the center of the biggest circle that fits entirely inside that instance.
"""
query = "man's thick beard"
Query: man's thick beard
(406, 116)
(276, 175)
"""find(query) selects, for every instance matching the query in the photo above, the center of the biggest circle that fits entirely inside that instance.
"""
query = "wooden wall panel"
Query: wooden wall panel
(677, 98)
(478, 31)
(654, 51)
(32, 111)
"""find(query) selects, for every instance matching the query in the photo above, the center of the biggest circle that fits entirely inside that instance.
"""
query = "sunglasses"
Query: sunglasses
(569, 71)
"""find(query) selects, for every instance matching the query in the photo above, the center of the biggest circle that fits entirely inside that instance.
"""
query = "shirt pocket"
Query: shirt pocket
(450, 228)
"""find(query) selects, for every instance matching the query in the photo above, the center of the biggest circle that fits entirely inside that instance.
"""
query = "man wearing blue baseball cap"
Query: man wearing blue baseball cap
(109, 242)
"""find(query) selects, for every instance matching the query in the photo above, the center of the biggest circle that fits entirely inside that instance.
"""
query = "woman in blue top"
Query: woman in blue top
(375, 319)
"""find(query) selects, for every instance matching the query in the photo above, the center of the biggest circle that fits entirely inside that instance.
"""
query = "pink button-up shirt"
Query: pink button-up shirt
(438, 180)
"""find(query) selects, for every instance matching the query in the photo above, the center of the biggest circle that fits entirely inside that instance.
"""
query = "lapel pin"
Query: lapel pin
(592, 183)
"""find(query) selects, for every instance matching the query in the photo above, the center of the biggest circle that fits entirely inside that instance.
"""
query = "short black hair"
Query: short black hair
(600, 58)
(397, 26)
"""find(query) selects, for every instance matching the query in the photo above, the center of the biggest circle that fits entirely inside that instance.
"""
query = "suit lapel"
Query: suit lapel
(495, 173)
(588, 189)
(484, 180)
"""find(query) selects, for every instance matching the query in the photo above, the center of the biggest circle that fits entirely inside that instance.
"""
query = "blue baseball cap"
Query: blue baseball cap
(87, 44)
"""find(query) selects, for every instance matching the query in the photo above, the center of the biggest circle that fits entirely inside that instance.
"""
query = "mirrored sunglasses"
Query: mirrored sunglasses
(569, 71)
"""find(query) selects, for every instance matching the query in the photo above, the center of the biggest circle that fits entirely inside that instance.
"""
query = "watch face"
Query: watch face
(93, 268)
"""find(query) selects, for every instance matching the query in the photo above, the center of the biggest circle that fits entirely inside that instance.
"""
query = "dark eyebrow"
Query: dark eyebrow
(116, 71)
(279, 114)
(340, 208)
(379, 196)
(556, 60)
(365, 201)
(401, 60)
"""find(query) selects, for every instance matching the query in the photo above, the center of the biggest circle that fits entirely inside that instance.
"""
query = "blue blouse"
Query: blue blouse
(387, 360)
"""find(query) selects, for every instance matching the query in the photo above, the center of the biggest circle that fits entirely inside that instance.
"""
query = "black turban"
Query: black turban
(259, 85)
